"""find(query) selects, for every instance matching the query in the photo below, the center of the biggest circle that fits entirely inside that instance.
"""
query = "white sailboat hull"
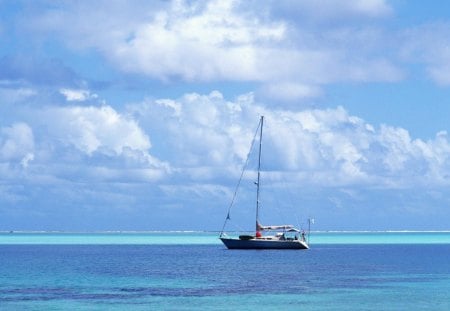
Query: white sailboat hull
(256, 243)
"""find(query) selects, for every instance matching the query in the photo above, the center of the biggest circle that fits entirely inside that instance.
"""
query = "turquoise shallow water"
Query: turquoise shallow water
(193, 271)
(211, 238)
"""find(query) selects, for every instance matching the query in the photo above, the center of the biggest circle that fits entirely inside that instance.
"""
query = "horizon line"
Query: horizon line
(204, 231)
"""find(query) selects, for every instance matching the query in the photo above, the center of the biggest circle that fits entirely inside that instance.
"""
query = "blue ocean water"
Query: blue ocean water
(191, 271)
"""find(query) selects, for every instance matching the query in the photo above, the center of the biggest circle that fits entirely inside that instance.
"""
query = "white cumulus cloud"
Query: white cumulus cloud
(96, 129)
(77, 95)
(231, 40)
(75, 141)
(216, 43)
(17, 144)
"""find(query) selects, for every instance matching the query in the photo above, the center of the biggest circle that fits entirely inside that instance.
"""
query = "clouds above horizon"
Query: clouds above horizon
(57, 141)
(194, 147)
(206, 137)
(231, 41)
(292, 50)
(151, 106)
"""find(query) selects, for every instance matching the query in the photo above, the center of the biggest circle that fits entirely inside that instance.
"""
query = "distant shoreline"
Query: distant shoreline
(206, 231)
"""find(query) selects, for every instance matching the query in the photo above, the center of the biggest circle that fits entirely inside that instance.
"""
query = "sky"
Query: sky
(139, 115)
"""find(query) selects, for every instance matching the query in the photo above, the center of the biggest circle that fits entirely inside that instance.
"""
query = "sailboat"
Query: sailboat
(265, 237)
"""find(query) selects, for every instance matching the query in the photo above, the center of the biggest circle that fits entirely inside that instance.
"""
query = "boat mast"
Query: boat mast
(259, 172)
